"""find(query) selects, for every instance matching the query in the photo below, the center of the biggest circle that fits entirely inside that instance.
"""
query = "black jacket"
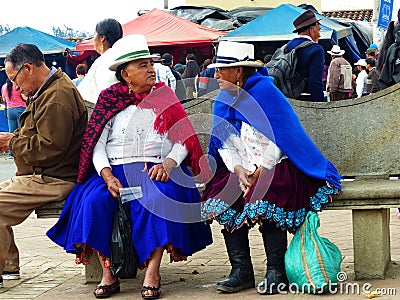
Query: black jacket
(390, 74)
(180, 89)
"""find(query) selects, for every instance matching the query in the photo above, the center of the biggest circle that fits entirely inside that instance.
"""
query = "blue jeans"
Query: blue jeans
(13, 115)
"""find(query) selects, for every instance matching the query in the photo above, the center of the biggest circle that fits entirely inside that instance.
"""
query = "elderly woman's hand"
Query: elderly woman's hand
(112, 182)
(243, 175)
(246, 178)
(160, 172)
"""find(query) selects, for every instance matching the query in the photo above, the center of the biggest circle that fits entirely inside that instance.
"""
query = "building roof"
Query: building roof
(356, 15)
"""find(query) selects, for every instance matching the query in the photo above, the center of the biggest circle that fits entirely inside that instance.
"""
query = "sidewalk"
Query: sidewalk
(47, 272)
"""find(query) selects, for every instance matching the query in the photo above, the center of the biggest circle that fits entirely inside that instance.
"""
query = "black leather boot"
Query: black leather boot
(275, 244)
(242, 274)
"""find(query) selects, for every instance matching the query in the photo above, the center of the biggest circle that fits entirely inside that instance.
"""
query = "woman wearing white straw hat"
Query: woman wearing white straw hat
(268, 171)
(138, 136)
(339, 75)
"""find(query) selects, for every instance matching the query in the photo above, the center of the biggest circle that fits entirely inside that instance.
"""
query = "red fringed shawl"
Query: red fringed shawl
(171, 118)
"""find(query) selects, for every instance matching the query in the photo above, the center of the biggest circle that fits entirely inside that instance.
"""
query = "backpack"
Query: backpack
(282, 67)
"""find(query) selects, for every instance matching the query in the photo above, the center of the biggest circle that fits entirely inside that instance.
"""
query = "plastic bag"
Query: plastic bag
(124, 258)
(312, 262)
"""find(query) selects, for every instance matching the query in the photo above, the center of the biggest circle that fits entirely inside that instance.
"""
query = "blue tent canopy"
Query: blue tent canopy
(275, 28)
(47, 43)
(277, 25)
(52, 47)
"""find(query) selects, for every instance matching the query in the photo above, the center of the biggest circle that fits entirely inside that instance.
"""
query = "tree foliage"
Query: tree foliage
(64, 32)
(4, 29)
(68, 32)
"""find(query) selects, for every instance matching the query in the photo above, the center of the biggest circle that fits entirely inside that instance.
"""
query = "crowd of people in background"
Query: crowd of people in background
(128, 83)
(330, 77)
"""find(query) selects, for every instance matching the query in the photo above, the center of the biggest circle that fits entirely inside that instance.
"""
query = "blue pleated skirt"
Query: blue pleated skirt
(167, 215)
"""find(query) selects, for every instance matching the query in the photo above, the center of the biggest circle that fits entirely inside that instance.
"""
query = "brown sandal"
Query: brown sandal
(108, 290)
(155, 292)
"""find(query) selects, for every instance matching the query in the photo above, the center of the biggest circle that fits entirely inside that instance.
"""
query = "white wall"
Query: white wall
(330, 5)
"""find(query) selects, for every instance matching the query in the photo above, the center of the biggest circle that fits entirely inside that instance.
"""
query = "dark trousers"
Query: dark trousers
(335, 96)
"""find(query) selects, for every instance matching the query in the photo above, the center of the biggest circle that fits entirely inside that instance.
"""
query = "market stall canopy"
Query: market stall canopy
(164, 29)
(47, 43)
(277, 25)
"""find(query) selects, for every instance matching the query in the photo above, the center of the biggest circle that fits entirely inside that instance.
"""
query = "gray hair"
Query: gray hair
(25, 53)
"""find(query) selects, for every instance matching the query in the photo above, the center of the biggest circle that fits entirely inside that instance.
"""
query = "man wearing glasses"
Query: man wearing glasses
(310, 59)
(46, 147)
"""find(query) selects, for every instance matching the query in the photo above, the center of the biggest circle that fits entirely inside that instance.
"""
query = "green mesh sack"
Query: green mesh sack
(312, 262)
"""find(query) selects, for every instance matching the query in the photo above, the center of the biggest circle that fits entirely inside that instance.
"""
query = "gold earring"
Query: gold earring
(130, 88)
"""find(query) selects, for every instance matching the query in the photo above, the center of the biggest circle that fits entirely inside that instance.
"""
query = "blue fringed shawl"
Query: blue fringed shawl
(264, 107)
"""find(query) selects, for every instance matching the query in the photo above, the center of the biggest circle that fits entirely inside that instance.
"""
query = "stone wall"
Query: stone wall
(360, 136)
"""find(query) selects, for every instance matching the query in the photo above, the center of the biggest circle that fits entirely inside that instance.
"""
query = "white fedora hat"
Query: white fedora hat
(234, 54)
(128, 48)
(336, 51)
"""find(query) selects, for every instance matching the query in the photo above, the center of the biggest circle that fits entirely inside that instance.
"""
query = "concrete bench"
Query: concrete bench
(362, 138)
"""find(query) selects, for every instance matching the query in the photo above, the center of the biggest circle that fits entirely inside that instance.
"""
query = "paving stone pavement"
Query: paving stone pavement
(47, 272)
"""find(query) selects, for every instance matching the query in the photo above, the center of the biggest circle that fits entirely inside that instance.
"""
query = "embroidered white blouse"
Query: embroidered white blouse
(249, 150)
(130, 137)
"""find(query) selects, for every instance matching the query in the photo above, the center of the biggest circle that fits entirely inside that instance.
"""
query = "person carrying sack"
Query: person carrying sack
(268, 171)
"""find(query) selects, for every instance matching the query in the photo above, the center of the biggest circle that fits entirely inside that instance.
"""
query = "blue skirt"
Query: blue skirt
(167, 215)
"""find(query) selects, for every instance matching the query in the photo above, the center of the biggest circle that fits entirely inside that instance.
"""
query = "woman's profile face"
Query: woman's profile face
(140, 75)
(97, 43)
(226, 77)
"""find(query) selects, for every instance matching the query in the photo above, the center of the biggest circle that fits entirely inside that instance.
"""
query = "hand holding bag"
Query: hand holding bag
(124, 258)
(312, 262)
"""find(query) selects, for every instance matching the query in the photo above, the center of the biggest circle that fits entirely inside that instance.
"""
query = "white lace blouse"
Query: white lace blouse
(249, 150)
(130, 137)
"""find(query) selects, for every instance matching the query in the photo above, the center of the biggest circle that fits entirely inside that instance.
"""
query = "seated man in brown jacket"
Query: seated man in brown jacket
(46, 147)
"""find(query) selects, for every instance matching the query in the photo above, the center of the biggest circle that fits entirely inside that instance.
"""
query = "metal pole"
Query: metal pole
(378, 34)
(375, 11)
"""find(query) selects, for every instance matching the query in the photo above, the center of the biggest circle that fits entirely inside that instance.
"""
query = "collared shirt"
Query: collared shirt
(304, 36)
(52, 71)
(164, 74)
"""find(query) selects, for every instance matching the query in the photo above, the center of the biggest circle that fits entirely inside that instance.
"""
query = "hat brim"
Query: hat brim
(166, 61)
(341, 52)
(305, 25)
(252, 64)
(115, 65)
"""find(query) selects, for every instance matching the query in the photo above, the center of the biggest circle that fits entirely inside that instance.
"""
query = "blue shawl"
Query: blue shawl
(263, 106)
